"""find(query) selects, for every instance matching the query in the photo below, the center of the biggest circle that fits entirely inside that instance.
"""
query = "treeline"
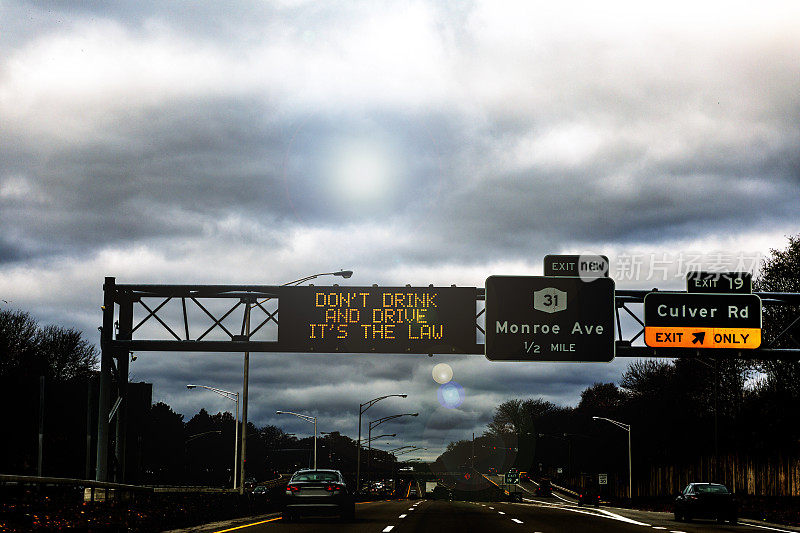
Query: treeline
(679, 410)
(49, 383)
(200, 451)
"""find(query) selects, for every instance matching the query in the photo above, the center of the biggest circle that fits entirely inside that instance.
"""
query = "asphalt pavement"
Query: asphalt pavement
(543, 515)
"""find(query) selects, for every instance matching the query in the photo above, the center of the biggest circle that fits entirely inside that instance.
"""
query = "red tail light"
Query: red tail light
(333, 486)
(292, 488)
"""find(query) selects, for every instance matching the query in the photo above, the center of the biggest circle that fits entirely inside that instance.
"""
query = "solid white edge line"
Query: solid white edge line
(562, 499)
(605, 514)
(767, 527)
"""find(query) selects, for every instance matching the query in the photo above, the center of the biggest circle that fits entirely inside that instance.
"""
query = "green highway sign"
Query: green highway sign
(512, 478)
(544, 318)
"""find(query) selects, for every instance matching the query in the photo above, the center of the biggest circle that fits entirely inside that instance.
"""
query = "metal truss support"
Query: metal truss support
(104, 395)
(246, 299)
(768, 350)
(125, 331)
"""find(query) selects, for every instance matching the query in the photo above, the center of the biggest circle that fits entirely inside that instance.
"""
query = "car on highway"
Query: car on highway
(544, 488)
(589, 496)
(318, 492)
(260, 490)
(706, 500)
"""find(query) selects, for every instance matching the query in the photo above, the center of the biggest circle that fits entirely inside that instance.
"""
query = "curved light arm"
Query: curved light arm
(413, 449)
(373, 401)
(343, 273)
(380, 436)
(378, 422)
(234, 396)
(298, 415)
(626, 427)
(192, 437)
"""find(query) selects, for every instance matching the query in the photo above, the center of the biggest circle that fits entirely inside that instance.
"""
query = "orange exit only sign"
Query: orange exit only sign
(699, 337)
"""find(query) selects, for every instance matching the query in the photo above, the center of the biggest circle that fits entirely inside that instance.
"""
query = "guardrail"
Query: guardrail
(103, 490)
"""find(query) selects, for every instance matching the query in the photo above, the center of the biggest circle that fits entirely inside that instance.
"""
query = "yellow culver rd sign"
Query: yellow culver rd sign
(700, 321)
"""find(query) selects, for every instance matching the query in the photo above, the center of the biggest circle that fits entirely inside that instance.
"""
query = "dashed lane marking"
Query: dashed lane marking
(402, 516)
(659, 527)
(387, 529)
(500, 512)
(516, 520)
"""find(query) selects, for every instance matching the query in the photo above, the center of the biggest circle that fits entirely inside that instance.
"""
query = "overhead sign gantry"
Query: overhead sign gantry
(568, 317)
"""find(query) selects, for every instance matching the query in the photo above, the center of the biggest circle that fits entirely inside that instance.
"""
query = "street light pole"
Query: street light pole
(309, 419)
(362, 408)
(245, 386)
(246, 373)
(235, 397)
(374, 424)
(315, 443)
(627, 428)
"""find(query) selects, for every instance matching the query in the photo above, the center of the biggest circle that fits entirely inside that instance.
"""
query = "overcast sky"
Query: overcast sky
(410, 141)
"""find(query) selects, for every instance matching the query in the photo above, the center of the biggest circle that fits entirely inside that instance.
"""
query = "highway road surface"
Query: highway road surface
(544, 515)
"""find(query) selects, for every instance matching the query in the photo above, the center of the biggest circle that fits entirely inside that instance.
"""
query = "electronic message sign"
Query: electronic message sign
(687, 320)
(531, 318)
(719, 282)
(377, 319)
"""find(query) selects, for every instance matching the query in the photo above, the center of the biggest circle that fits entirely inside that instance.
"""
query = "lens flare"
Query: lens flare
(442, 373)
(450, 395)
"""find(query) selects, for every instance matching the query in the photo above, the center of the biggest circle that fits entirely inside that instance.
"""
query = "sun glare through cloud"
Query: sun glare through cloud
(362, 171)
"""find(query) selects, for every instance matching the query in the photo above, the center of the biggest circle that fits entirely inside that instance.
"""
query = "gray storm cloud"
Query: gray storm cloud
(422, 142)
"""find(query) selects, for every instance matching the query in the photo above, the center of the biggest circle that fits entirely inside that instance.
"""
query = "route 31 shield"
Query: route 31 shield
(550, 300)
